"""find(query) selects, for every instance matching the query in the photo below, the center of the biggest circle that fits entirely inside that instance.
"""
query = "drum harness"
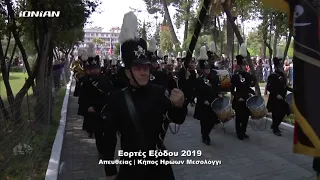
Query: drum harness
(257, 126)
(254, 126)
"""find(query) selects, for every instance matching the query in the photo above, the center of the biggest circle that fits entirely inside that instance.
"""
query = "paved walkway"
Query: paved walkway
(263, 157)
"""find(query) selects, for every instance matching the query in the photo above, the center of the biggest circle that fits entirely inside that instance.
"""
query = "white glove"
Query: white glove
(207, 103)
(279, 97)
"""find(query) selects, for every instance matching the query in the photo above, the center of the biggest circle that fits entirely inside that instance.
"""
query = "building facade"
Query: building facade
(105, 36)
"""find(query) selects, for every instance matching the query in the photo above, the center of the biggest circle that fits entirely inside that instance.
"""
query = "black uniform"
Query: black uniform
(277, 85)
(78, 84)
(240, 88)
(188, 85)
(95, 90)
(207, 90)
(81, 109)
(316, 165)
(157, 76)
(143, 131)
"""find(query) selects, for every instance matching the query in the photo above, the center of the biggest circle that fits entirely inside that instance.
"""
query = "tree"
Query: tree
(183, 15)
(44, 34)
(155, 6)
(117, 49)
(166, 43)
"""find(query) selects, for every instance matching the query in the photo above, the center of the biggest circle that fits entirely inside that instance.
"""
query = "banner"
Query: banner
(306, 69)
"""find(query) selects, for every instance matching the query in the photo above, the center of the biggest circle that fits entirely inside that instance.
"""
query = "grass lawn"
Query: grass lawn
(17, 80)
(38, 136)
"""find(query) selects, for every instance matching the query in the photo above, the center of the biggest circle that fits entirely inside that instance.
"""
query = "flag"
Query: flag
(111, 47)
(306, 67)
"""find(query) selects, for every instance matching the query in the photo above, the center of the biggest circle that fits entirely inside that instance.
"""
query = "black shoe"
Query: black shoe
(246, 136)
(101, 156)
(277, 132)
(207, 141)
(240, 137)
(90, 135)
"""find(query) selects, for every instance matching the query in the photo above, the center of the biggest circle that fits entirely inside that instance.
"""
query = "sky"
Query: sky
(110, 14)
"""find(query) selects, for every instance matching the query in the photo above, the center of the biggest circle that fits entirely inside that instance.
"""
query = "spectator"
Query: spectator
(57, 72)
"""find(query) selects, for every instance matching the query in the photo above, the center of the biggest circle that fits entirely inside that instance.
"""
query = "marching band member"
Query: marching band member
(241, 82)
(95, 94)
(137, 112)
(179, 62)
(213, 58)
(77, 62)
(171, 75)
(81, 80)
(156, 75)
(187, 78)
(277, 87)
(207, 90)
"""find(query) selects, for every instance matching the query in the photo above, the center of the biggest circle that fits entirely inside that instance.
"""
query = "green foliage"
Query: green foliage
(166, 40)
(117, 49)
(67, 29)
(183, 11)
(97, 41)
(254, 43)
(69, 38)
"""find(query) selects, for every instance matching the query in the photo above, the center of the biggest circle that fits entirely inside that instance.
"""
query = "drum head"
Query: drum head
(289, 98)
(220, 104)
(255, 101)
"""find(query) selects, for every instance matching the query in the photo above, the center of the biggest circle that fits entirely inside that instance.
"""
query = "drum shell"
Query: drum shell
(289, 100)
(225, 80)
(256, 107)
(222, 108)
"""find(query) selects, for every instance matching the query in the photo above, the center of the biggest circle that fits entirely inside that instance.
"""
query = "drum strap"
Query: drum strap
(135, 119)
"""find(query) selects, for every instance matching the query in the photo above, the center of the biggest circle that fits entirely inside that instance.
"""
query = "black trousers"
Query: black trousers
(241, 122)
(277, 118)
(316, 165)
(160, 172)
(242, 116)
(206, 125)
(100, 142)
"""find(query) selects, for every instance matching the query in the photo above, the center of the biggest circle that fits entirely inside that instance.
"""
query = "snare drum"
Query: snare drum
(225, 80)
(289, 99)
(257, 107)
(223, 109)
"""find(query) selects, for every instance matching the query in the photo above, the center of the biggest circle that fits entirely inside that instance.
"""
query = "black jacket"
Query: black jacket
(151, 104)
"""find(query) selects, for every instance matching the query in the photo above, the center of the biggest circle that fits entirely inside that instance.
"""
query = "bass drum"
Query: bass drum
(289, 100)
(223, 109)
(225, 80)
(257, 107)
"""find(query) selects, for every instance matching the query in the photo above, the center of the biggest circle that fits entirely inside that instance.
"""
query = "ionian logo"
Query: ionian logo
(50, 14)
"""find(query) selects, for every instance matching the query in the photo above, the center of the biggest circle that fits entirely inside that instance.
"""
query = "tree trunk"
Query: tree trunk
(264, 36)
(5, 77)
(275, 42)
(230, 38)
(168, 18)
(13, 28)
(287, 45)
(23, 91)
(240, 39)
(4, 112)
(221, 35)
(186, 21)
(11, 58)
(41, 106)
